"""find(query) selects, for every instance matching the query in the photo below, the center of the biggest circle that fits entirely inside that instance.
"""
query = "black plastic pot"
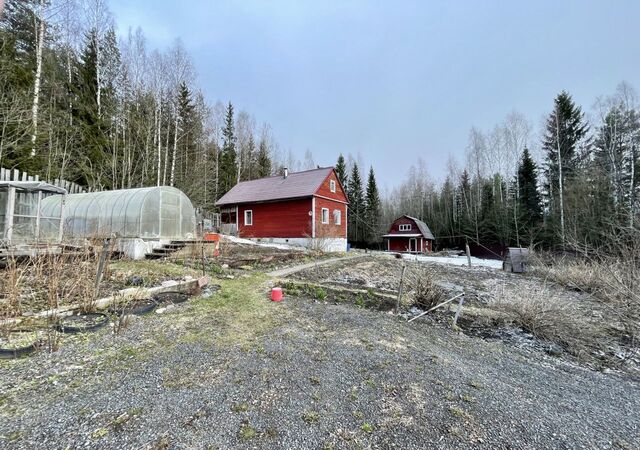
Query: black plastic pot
(73, 329)
(14, 353)
(137, 308)
(170, 297)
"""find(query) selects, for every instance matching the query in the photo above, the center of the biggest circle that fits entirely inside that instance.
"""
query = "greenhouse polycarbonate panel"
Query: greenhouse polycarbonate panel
(149, 213)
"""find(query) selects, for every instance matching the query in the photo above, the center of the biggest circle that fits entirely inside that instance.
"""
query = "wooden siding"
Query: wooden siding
(395, 226)
(330, 230)
(401, 244)
(325, 188)
(286, 219)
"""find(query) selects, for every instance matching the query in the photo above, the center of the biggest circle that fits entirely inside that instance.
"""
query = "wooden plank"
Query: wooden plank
(24, 176)
(2, 174)
(16, 175)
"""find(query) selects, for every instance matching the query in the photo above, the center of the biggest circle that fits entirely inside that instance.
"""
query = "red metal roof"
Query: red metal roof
(296, 185)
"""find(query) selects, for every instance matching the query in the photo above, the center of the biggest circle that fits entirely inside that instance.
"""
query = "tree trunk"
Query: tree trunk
(560, 180)
(36, 87)
(175, 150)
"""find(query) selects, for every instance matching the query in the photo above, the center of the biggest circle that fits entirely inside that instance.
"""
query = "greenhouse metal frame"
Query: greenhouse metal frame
(22, 218)
(152, 213)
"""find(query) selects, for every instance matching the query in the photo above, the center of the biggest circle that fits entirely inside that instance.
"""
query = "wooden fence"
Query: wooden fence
(16, 175)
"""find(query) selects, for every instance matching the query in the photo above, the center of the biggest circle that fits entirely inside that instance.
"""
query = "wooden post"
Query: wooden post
(101, 263)
(466, 244)
(458, 311)
(404, 267)
(203, 260)
(8, 218)
(38, 216)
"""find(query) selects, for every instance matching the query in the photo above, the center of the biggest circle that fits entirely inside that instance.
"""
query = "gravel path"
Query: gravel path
(299, 268)
(322, 376)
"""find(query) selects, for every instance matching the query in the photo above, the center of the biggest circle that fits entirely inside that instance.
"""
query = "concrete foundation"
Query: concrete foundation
(329, 245)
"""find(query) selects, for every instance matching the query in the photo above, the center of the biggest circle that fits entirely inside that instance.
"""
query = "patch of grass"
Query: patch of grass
(247, 432)
(360, 300)
(319, 293)
(367, 427)
(314, 380)
(99, 433)
(353, 394)
(475, 384)
(15, 436)
(240, 407)
(370, 382)
(468, 398)
(311, 416)
(358, 415)
(459, 412)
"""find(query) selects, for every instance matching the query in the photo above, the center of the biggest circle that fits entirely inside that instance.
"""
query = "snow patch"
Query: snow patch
(238, 240)
(456, 260)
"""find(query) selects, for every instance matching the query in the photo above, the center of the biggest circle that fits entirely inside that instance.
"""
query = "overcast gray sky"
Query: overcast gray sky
(395, 80)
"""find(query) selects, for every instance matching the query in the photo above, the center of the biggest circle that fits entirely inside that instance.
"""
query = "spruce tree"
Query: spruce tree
(565, 129)
(356, 205)
(528, 195)
(264, 162)
(228, 167)
(341, 171)
(372, 208)
(94, 141)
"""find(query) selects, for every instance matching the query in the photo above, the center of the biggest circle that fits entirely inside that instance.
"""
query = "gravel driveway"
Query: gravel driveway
(318, 375)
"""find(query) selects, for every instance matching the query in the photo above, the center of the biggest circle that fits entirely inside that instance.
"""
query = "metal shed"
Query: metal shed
(22, 217)
(516, 260)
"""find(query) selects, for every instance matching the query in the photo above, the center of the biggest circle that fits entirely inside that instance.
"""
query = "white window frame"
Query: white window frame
(337, 217)
(404, 227)
(322, 215)
(248, 223)
(332, 185)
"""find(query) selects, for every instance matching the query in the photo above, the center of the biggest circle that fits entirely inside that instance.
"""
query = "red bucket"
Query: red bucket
(276, 294)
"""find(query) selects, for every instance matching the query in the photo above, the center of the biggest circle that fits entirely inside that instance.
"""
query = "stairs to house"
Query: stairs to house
(174, 246)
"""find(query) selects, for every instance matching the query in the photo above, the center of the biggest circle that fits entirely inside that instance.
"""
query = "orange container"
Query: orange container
(276, 294)
(211, 237)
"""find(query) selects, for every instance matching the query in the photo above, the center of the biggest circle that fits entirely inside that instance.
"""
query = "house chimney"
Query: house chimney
(286, 172)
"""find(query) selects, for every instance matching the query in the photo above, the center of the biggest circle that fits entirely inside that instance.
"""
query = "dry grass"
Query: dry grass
(426, 294)
(612, 281)
(556, 319)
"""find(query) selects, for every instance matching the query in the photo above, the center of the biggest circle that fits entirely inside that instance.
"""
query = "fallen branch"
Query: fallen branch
(436, 307)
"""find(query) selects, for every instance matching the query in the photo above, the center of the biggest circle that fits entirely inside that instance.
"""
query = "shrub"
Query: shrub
(426, 293)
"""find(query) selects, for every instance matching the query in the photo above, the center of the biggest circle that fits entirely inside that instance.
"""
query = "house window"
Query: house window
(405, 227)
(332, 185)
(337, 217)
(325, 215)
(248, 217)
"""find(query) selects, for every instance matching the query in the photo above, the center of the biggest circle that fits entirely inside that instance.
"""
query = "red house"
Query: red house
(306, 208)
(408, 234)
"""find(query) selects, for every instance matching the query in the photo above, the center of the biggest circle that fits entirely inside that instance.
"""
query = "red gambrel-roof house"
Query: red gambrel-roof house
(408, 234)
(306, 208)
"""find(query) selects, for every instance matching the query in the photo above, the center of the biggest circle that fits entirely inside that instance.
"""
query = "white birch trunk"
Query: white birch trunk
(175, 150)
(36, 87)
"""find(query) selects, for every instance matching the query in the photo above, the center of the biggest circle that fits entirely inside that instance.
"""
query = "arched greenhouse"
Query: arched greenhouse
(143, 218)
